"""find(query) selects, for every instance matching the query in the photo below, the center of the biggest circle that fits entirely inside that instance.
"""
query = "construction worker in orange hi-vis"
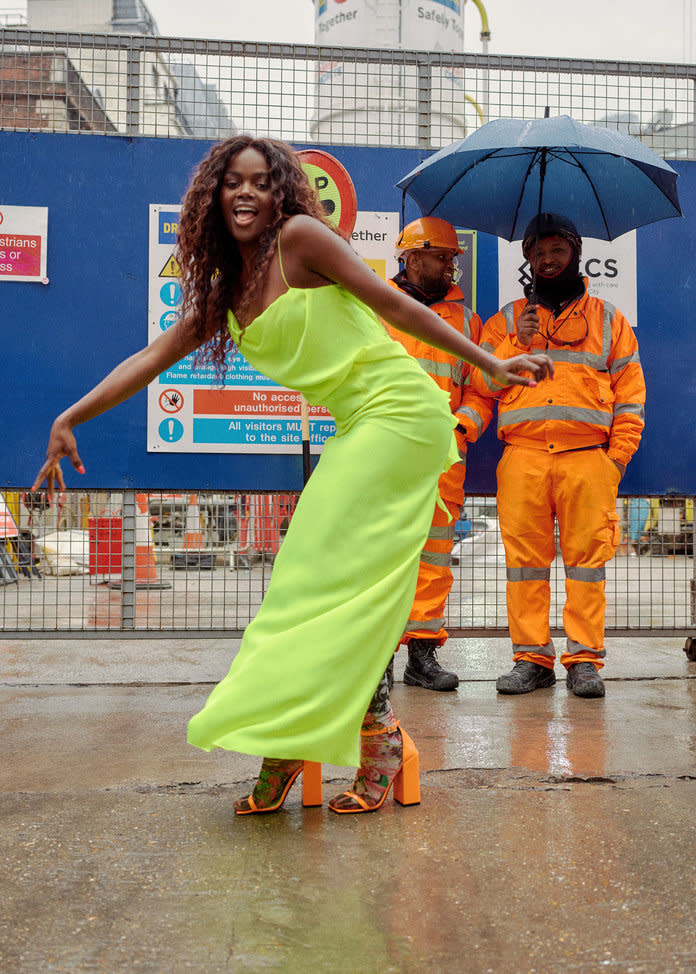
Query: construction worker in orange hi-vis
(428, 249)
(567, 443)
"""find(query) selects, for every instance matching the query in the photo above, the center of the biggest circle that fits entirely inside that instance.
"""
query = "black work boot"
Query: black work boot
(524, 677)
(584, 680)
(423, 669)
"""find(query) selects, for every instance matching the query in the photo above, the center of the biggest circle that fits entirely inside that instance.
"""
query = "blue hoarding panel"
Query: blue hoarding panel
(59, 339)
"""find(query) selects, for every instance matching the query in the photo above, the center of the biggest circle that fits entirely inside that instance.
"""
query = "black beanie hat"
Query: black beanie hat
(551, 225)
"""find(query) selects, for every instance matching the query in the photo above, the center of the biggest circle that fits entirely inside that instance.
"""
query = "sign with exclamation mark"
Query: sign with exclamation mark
(171, 430)
(170, 293)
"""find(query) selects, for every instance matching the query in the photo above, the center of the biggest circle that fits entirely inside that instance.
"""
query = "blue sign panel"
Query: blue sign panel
(68, 334)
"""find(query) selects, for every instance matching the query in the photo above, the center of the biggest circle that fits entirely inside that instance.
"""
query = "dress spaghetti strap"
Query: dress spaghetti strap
(280, 261)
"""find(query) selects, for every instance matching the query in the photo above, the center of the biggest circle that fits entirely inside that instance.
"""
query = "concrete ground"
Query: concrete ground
(554, 834)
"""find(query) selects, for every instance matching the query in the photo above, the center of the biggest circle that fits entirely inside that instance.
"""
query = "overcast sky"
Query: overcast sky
(641, 30)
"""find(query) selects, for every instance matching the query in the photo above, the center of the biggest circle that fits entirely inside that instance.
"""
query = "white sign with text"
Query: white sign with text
(609, 266)
(23, 240)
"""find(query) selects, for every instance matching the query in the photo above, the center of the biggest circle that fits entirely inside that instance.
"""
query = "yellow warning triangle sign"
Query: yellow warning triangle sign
(171, 268)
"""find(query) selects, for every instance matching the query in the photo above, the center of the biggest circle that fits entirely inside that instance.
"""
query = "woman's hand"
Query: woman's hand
(510, 370)
(61, 443)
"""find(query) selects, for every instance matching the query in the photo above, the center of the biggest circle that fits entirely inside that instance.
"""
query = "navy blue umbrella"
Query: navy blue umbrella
(508, 171)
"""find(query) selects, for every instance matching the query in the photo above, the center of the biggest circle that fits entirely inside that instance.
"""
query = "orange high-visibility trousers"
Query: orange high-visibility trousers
(577, 488)
(427, 616)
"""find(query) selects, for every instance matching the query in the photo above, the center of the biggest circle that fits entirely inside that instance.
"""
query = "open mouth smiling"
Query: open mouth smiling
(244, 214)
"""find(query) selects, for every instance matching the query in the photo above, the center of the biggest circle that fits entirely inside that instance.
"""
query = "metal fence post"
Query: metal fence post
(424, 102)
(133, 90)
(128, 561)
(693, 560)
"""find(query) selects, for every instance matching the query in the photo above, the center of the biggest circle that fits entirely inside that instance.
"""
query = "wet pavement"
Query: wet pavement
(554, 833)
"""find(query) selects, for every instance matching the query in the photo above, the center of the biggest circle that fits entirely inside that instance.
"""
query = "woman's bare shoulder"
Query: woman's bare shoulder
(310, 250)
(301, 227)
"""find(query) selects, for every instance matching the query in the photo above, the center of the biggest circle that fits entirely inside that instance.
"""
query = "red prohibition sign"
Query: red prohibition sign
(333, 186)
(171, 400)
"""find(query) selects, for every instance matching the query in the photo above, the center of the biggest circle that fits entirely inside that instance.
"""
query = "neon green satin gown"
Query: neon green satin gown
(344, 580)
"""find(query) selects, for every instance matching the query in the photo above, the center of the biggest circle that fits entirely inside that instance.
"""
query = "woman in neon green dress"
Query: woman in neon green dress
(262, 268)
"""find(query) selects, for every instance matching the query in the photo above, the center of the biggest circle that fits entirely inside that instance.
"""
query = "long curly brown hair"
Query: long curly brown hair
(207, 253)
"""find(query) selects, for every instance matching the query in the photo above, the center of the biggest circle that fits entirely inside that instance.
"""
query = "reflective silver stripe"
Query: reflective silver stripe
(486, 377)
(435, 558)
(441, 532)
(441, 369)
(609, 312)
(508, 312)
(597, 362)
(620, 363)
(528, 574)
(573, 648)
(468, 315)
(629, 407)
(580, 574)
(558, 413)
(457, 370)
(432, 625)
(473, 416)
(548, 649)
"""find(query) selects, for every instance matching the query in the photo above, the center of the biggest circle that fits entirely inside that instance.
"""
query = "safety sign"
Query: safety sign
(333, 186)
(23, 243)
(171, 400)
(187, 410)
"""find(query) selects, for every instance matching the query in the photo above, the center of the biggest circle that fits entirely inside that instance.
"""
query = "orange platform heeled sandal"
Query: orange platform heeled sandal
(406, 781)
(311, 786)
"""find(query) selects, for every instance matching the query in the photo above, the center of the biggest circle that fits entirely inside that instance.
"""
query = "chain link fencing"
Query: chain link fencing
(101, 562)
(167, 87)
(147, 563)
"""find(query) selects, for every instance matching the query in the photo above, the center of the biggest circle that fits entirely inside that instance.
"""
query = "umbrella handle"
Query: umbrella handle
(542, 176)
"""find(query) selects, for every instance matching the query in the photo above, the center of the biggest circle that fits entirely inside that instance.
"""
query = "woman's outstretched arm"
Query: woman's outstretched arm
(310, 251)
(129, 377)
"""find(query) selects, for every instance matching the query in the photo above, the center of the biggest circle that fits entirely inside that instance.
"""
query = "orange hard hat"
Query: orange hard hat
(429, 231)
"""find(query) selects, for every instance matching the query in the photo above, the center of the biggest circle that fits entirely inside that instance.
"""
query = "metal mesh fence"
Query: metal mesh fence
(139, 563)
(146, 563)
(184, 88)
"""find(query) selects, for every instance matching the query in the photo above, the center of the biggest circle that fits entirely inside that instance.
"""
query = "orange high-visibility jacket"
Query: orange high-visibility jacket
(451, 373)
(598, 393)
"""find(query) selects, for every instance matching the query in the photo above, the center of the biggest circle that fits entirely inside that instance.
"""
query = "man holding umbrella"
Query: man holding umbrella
(428, 248)
(567, 444)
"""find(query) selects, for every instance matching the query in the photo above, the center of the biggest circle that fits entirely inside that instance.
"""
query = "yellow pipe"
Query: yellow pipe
(476, 105)
(485, 29)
